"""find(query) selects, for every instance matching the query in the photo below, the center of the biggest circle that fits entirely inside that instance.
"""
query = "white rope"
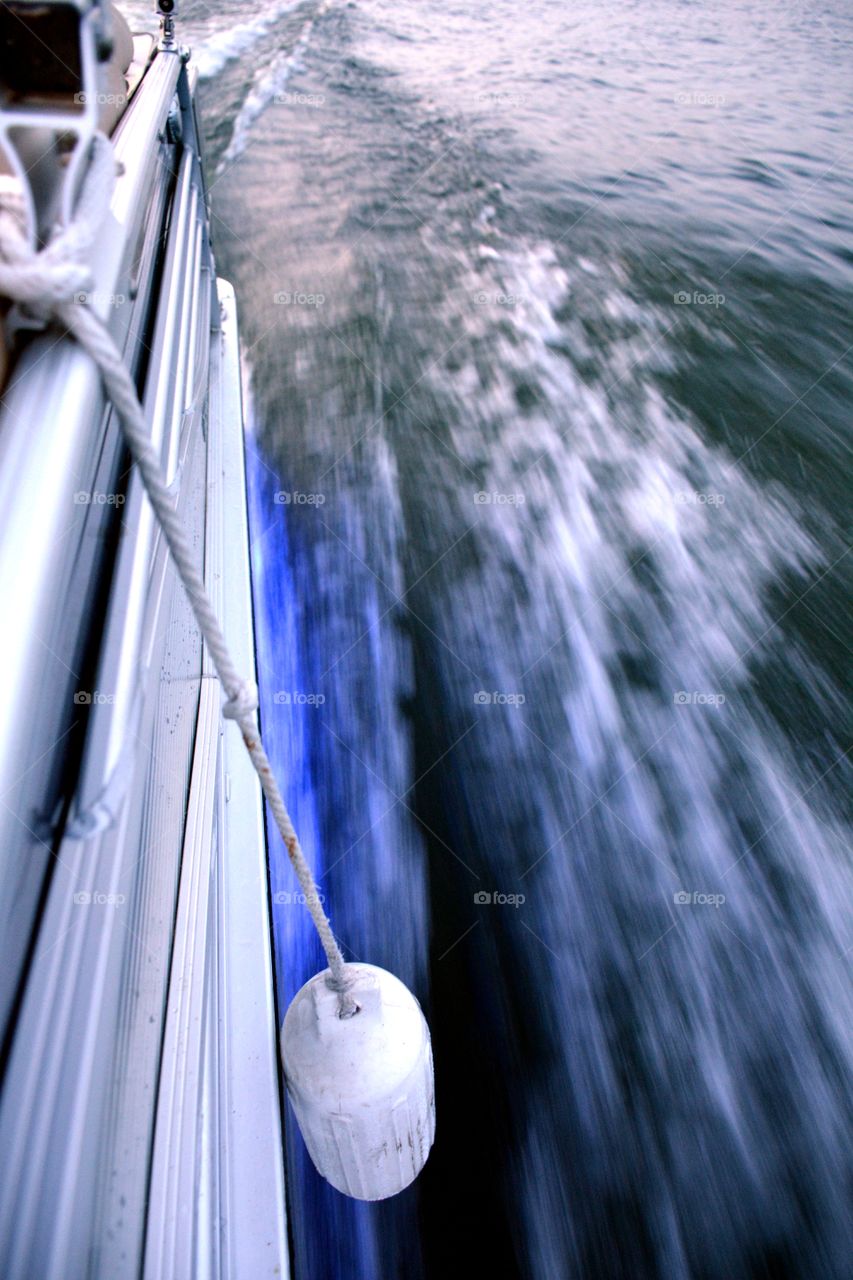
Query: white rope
(46, 283)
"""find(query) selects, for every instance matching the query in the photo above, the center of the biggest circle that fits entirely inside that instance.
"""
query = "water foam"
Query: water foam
(268, 84)
(639, 589)
(225, 46)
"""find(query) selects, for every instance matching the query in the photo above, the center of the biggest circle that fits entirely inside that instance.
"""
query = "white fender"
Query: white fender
(362, 1087)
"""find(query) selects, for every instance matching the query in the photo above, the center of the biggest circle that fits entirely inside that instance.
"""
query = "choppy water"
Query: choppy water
(548, 310)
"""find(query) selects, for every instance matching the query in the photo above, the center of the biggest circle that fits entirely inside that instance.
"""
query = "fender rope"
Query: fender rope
(48, 283)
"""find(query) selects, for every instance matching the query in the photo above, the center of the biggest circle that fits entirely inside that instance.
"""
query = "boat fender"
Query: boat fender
(361, 1086)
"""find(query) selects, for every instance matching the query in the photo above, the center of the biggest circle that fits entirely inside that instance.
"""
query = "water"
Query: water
(548, 315)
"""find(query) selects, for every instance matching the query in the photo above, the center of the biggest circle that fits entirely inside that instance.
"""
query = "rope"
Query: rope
(46, 282)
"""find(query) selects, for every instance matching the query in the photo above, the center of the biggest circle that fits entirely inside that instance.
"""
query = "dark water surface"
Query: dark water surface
(548, 311)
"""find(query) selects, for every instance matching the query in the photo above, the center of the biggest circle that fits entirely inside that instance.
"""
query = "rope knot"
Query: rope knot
(347, 1006)
(45, 280)
(243, 701)
(339, 985)
(40, 280)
